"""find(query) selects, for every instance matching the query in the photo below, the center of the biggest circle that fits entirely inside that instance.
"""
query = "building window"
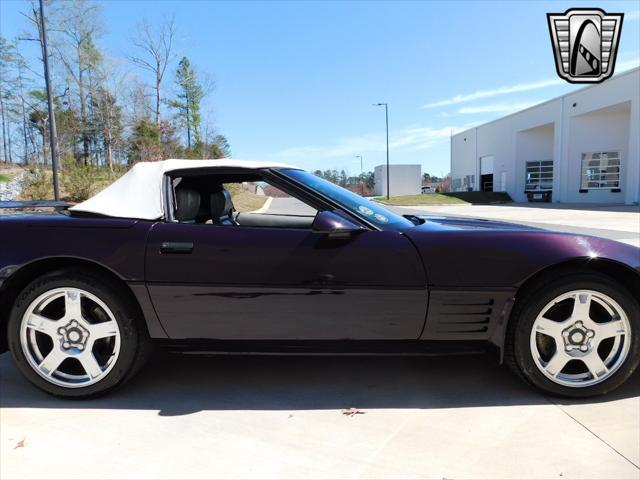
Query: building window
(539, 176)
(600, 170)
(464, 184)
(470, 182)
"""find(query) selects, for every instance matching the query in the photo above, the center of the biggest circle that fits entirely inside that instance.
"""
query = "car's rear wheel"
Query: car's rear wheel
(76, 335)
(577, 335)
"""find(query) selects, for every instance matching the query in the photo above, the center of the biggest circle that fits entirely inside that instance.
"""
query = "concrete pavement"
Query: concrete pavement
(281, 417)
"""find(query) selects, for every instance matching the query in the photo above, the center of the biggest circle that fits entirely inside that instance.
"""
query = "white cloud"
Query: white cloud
(621, 65)
(408, 139)
(495, 108)
(520, 87)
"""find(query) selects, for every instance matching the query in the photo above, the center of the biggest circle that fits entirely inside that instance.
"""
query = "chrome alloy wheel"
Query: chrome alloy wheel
(70, 337)
(580, 338)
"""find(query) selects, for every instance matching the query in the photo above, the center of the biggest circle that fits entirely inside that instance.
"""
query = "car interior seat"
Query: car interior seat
(222, 209)
(187, 204)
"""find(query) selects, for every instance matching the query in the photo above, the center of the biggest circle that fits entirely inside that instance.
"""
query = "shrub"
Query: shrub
(79, 181)
(37, 184)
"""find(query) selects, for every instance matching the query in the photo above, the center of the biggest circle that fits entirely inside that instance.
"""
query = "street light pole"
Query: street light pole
(386, 118)
(361, 174)
(52, 118)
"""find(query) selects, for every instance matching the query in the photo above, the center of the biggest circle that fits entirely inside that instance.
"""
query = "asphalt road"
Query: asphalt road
(622, 222)
(289, 205)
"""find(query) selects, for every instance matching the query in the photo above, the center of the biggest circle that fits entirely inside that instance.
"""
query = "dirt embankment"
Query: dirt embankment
(11, 179)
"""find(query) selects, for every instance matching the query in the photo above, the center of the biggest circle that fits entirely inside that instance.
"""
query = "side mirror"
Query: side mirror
(335, 225)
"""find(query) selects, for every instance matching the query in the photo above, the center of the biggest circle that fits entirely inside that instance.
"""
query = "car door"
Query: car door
(230, 282)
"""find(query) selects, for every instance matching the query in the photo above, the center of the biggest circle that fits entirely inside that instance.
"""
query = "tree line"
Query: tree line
(145, 105)
(362, 183)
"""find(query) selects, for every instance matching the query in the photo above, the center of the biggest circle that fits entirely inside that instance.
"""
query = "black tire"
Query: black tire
(518, 355)
(135, 345)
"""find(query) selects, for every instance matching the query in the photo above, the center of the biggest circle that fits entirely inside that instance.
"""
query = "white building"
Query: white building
(581, 147)
(405, 180)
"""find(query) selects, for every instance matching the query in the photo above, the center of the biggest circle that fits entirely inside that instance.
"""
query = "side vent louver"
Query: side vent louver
(463, 315)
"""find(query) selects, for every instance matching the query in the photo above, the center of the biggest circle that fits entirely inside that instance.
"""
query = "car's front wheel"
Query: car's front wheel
(75, 335)
(577, 335)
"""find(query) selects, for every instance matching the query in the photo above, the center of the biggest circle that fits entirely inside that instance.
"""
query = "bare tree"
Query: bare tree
(4, 130)
(21, 80)
(12, 96)
(155, 54)
(137, 101)
(108, 112)
(33, 18)
(5, 60)
(77, 23)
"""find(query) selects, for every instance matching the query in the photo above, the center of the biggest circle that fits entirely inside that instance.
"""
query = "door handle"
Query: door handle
(176, 247)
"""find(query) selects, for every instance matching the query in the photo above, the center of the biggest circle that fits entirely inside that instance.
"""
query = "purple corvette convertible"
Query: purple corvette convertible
(163, 258)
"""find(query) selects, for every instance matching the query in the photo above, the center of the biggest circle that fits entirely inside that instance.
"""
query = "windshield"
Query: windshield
(359, 206)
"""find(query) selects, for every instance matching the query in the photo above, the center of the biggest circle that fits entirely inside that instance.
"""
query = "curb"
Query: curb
(264, 207)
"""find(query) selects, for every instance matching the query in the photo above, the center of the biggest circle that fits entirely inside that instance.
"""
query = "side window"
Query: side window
(259, 204)
(247, 196)
(262, 197)
(242, 200)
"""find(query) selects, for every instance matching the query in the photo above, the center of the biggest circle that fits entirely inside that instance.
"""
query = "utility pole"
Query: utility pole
(386, 118)
(53, 137)
(361, 174)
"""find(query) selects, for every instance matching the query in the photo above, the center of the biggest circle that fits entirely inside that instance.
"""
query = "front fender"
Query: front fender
(507, 258)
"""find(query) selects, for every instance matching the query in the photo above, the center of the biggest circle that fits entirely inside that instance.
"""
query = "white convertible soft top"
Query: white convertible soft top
(138, 193)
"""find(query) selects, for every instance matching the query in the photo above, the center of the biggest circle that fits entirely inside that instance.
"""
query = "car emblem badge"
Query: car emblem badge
(585, 43)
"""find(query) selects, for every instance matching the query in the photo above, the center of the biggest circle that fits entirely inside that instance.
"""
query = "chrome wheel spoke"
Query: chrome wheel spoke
(550, 328)
(52, 361)
(72, 305)
(90, 364)
(557, 363)
(581, 306)
(610, 329)
(103, 330)
(43, 325)
(594, 363)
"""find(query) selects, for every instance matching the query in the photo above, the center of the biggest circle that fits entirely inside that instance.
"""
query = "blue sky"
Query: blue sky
(296, 80)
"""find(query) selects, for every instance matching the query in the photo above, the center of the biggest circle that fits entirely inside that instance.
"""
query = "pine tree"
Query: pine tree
(223, 150)
(145, 141)
(188, 100)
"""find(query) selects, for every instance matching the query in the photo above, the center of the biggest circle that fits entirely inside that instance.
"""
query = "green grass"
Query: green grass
(243, 200)
(458, 198)
(426, 199)
(4, 178)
